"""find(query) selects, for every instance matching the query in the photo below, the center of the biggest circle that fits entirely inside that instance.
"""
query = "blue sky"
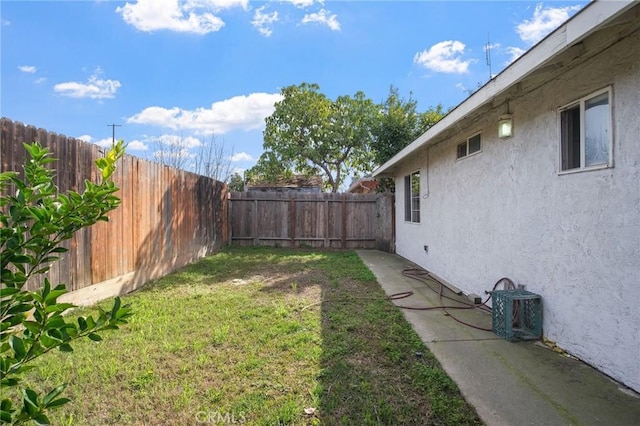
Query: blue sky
(168, 69)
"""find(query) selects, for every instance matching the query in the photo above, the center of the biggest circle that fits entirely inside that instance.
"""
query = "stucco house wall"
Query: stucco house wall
(573, 238)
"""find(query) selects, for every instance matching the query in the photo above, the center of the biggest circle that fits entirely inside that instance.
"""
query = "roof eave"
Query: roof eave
(594, 15)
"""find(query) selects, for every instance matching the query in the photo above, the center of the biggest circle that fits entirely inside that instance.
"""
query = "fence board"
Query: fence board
(167, 217)
(310, 219)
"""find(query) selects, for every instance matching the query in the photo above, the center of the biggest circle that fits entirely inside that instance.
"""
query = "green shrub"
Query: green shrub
(33, 223)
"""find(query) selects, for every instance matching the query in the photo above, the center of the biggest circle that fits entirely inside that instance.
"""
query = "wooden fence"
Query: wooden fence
(312, 220)
(167, 218)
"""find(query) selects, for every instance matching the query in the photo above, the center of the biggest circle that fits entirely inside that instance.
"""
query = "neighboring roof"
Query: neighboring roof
(539, 64)
(296, 181)
(363, 185)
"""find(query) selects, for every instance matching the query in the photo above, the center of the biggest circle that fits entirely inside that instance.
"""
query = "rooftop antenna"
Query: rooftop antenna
(487, 51)
(113, 132)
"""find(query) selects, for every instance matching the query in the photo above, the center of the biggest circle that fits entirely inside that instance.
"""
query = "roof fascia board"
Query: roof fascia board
(579, 26)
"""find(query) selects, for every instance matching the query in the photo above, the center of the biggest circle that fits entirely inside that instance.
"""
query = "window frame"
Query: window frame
(411, 215)
(466, 143)
(580, 104)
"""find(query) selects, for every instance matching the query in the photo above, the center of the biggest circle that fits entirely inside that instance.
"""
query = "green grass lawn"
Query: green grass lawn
(261, 336)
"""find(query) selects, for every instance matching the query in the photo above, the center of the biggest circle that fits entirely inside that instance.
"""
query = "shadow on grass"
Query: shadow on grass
(373, 367)
(239, 264)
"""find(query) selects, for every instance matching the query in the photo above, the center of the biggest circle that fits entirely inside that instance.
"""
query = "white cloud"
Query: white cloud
(238, 170)
(157, 116)
(491, 46)
(241, 156)
(179, 141)
(322, 17)
(6, 22)
(240, 112)
(136, 145)
(40, 80)
(167, 156)
(28, 69)
(108, 142)
(262, 21)
(543, 22)
(104, 143)
(94, 88)
(213, 4)
(301, 3)
(444, 57)
(175, 15)
(514, 53)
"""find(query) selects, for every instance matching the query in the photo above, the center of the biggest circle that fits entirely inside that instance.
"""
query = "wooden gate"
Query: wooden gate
(292, 219)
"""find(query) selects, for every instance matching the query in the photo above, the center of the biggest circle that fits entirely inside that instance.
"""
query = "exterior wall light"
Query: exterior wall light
(505, 126)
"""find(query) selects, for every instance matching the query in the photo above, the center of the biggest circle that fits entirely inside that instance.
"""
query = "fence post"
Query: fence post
(254, 222)
(344, 220)
(327, 241)
(229, 216)
(385, 226)
(292, 220)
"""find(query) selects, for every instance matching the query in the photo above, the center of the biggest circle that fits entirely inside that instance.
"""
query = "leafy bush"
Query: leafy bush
(33, 223)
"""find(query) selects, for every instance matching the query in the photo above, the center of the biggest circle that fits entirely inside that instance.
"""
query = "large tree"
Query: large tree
(236, 183)
(310, 134)
(399, 124)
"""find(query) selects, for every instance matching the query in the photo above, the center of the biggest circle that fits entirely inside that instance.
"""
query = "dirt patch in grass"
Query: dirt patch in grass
(260, 336)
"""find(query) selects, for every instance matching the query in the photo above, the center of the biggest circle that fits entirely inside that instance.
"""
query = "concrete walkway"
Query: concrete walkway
(509, 383)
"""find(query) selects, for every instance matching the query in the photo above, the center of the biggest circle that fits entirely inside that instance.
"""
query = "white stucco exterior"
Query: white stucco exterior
(508, 211)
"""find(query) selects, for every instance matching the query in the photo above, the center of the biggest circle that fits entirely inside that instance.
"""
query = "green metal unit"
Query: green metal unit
(516, 314)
